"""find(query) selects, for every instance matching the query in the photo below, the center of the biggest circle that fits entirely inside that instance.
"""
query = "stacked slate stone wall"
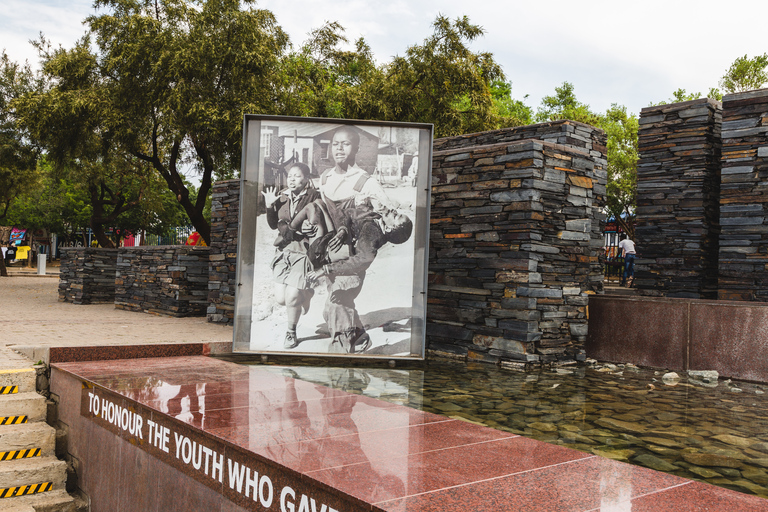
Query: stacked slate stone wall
(678, 183)
(744, 198)
(164, 280)
(569, 133)
(225, 210)
(514, 240)
(87, 275)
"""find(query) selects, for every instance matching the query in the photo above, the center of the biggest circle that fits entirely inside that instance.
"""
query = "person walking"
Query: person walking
(10, 254)
(627, 247)
(291, 263)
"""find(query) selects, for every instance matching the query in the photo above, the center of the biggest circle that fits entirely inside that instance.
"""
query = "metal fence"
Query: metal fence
(613, 262)
(178, 236)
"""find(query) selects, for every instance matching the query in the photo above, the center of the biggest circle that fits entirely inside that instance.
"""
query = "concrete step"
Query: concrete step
(17, 508)
(51, 501)
(23, 379)
(38, 470)
(27, 436)
(28, 404)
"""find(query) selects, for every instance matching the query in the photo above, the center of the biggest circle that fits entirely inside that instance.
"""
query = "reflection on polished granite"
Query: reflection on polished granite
(390, 456)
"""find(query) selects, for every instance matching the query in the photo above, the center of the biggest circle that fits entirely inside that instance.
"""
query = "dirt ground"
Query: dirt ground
(32, 315)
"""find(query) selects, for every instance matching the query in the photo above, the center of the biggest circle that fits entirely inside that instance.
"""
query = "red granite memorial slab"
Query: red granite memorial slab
(226, 437)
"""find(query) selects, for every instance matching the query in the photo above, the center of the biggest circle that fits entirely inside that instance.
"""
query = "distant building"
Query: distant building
(289, 142)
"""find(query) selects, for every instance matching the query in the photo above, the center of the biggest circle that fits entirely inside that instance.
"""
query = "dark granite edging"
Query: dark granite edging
(681, 334)
(106, 353)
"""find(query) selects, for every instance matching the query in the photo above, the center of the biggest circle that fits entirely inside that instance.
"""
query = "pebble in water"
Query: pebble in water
(670, 379)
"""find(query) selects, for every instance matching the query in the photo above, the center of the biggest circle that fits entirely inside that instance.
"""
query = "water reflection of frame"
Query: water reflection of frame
(399, 386)
(332, 247)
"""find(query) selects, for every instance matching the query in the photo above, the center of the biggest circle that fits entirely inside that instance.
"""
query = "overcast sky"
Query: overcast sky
(613, 51)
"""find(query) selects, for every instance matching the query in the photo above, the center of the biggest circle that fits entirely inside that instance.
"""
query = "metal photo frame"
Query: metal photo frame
(333, 237)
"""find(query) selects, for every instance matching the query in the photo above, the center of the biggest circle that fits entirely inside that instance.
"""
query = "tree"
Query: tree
(179, 76)
(57, 205)
(64, 204)
(745, 74)
(564, 105)
(159, 213)
(681, 95)
(440, 81)
(68, 114)
(17, 156)
(621, 192)
(317, 80)
(511, 112)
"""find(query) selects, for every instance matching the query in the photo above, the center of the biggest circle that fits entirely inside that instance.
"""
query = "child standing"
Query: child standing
(290, 264)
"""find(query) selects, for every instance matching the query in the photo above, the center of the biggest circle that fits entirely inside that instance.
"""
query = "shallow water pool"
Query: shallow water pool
(711, 431)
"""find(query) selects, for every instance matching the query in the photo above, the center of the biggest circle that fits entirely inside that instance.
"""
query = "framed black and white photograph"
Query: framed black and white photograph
(332, 247)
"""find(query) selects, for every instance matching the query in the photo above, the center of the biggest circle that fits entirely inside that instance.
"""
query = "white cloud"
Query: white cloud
(631, 53)
(24, 20)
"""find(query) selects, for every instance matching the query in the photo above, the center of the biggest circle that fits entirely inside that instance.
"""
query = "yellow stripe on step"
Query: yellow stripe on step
(12, 420)
(20, 454)
(8, 390)
(24, 490)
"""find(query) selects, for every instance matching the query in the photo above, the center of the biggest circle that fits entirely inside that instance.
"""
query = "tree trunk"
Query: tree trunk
(3, 270)
(628, 226)
(172, 177)
(101, 236)
(97, 216)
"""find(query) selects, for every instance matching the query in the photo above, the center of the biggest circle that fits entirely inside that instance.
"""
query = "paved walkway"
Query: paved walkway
(32, 316)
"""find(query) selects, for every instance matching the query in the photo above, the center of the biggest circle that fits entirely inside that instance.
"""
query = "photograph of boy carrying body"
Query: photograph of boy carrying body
(334, 233)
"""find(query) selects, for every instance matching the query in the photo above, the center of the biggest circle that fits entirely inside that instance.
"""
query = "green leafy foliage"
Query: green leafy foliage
(320, 78)
(70, 118)
(179, 76)
(621, 130)
(63, 204)
(18, 171)
(681, 95)
(745, 74)
(715, 94)
(56, 205)
(441, 81)
(564, 105)
(511, 112)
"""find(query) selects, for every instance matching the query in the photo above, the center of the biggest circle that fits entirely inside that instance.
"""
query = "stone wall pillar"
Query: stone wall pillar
(167, 280)
(514, 240)
(225, 210)
(744, 198)
(678, 183)
(87, 275)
